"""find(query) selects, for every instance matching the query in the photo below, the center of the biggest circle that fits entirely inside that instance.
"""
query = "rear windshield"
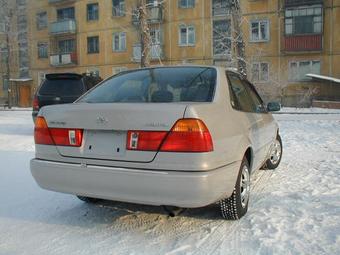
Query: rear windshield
(62, 87)
(162, 85)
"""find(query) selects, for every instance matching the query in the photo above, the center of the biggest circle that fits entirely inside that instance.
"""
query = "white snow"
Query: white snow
(294, 209)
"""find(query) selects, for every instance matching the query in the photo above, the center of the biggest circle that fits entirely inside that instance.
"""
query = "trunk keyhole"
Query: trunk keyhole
(90, 147)
(118, 149)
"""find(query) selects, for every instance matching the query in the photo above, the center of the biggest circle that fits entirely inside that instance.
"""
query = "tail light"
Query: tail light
(41, 133)
(35, 103)
(187, 135)
(56, 136)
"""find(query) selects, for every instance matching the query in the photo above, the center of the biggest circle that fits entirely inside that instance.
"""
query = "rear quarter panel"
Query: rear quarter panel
(228, 127)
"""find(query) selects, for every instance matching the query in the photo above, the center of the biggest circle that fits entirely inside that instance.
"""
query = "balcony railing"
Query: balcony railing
(63, 59)
(156, 52)
(63, 27)
(289, 3)
(303, 43)
(154, 14)
(60, 1)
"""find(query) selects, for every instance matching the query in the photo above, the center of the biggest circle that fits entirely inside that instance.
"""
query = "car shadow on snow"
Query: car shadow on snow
(123, 209)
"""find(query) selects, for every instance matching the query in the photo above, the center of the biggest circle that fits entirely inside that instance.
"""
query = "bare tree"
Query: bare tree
(237, 36)
(145, 34)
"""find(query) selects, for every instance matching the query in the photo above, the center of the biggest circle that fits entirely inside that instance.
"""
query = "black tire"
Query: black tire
(272, 163)
(89, 200)
(234, 207)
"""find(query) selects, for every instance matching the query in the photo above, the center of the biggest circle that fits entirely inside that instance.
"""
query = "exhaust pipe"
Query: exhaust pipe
(173, 211)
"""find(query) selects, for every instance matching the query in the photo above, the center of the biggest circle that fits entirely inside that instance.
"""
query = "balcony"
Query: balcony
(154, 14)
(60, 1)
(156, 52)
(63, 27)
(63, 59)
(292, 3)
(303, 43)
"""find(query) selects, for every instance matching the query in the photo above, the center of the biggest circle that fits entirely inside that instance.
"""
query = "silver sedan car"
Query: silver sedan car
(183, 136)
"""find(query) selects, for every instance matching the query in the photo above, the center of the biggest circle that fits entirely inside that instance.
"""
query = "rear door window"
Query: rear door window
(157, 85)
(62, 87)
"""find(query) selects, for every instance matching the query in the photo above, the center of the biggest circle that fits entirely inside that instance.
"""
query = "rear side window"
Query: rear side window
(241, 100)
(162, 85)
(62, 87)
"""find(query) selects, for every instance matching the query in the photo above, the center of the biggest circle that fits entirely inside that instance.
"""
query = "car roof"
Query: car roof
(220, 68)
(56, 76)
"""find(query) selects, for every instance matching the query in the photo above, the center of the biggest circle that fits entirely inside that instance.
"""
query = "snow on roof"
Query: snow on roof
(21, 79)
(323, 77)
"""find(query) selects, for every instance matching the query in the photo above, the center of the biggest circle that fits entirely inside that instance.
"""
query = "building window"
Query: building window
(259, 31)
(42, 50)
(304, 20)
(221, 7)
(155, 35)
(298, 70)
(221, 38)
(118, 7)
(119, 41)
(93, 44)
(65, 14)
(187, 36)
(260, 72)
(2, 27)
(186, 3)
(42, 20)
(4, 54)
(93, 11)
(66, 46)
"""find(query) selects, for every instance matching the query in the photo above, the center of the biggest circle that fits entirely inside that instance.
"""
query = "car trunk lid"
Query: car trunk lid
(106, 125)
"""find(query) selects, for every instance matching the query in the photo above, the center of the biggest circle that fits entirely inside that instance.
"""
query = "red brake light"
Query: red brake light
(35, 103)
(187, 135)
(56, 136)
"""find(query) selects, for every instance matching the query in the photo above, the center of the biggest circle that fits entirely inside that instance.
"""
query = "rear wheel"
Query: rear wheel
(234, 207)
(88, 199)
(275, 154)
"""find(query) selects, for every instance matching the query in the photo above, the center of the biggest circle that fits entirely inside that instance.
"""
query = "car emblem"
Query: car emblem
(102, 120)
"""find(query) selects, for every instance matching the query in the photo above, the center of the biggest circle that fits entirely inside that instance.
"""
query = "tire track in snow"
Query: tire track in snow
(226, 229)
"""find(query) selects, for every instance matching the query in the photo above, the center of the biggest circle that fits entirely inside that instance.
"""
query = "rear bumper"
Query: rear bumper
(182, 189)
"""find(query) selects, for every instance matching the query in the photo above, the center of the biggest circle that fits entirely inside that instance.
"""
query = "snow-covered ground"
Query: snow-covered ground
(293, 210)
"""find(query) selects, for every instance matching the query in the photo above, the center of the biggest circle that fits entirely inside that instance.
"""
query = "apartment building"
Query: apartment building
(287, 39)
(284, 40)
(103, 36)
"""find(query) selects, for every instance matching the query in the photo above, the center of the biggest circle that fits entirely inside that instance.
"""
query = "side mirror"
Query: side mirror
(273, 107)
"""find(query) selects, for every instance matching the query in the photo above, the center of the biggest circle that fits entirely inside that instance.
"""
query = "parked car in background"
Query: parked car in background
(62, 88)
(186, 136)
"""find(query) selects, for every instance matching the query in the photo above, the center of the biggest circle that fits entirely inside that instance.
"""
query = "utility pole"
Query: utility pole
(237, 37)
(145, 34)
